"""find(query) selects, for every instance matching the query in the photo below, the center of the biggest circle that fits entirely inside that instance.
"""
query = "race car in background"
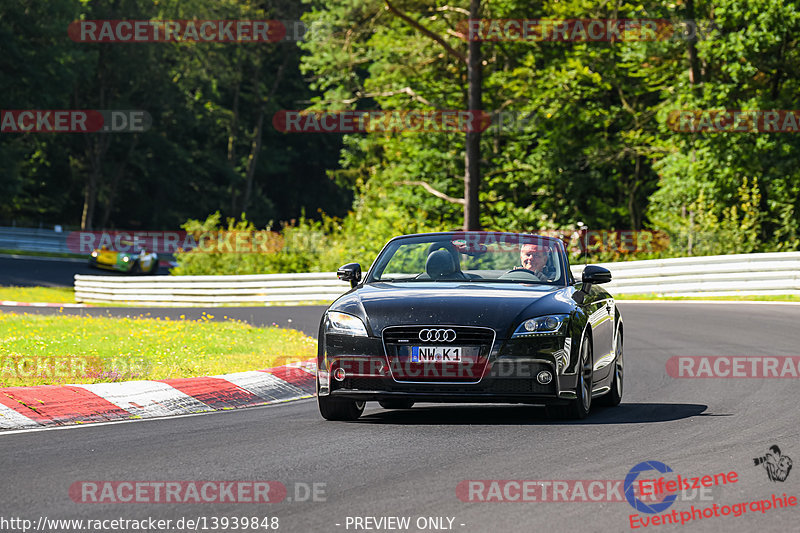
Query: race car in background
(133, 262)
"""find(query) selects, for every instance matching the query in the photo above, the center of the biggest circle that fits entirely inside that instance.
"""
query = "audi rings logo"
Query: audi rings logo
(437, 335)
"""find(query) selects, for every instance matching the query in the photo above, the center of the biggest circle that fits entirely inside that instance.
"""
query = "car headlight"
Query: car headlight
(126, 258)
(541, 325)
(94, 254)
(344, 324)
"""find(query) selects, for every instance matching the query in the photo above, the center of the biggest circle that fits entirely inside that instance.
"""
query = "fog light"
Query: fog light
(544, 377)
(339, 374)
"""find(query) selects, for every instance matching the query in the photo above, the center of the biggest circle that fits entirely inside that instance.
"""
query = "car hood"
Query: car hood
(500, 306)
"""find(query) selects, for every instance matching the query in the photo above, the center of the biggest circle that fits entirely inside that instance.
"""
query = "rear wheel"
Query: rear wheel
(613, 397)
(396, 404)
(339, 408)
(579, 407)
(136, 268)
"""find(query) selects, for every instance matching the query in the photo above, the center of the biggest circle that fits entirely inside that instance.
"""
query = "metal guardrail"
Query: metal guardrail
(209, 290)
(716, 275)
(48, 240)
(33, 240)
(722, 275)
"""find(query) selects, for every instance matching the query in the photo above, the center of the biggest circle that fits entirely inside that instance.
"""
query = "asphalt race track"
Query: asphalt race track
(409, 463)
(47, 271)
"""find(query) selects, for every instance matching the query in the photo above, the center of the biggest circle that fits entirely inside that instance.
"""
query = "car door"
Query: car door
(602, 320)
(599, 308)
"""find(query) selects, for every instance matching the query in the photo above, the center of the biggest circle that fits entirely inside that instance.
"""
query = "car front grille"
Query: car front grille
(476, 341)
(465, 335)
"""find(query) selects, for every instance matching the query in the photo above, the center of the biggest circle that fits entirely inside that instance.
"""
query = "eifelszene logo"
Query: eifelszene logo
(630, 486)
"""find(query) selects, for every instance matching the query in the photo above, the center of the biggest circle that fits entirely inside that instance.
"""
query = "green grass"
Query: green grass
(63, 295)
(742, 298)
(215, 306)
(57, 349)
(59, 295)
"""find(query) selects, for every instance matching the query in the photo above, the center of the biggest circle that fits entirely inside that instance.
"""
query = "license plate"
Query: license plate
(435, 354)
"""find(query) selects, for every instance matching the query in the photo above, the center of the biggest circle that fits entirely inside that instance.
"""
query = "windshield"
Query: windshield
(472, 256)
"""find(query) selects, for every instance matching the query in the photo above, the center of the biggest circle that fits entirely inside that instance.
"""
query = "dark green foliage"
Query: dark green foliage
(591, 142)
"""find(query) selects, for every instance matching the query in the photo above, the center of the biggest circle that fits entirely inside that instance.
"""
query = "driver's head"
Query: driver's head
(533, 257)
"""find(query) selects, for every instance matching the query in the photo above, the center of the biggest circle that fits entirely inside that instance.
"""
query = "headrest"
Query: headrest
(439, 264)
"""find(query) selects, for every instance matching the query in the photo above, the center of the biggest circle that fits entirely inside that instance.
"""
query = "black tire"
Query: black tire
(613, 397)
(153, 270)
(579, 407)
(136, 268)
(396, 404)
(339, 408)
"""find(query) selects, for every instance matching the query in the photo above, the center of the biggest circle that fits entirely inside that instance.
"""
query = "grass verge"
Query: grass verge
(58, 295)
(743, 298)
(188, 305)
(58, 349)
(66, 295)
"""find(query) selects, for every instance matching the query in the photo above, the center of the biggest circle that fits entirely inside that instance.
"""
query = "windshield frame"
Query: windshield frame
(381, 262)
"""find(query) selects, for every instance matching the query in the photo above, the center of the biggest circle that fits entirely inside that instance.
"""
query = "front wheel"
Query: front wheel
(579, 407)
(338, 408)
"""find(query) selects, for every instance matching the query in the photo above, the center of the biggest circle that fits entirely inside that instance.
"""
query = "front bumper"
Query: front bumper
(510, 375)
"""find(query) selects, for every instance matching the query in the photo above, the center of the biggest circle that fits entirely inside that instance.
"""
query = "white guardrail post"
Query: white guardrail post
(720, 275)
(210, 290)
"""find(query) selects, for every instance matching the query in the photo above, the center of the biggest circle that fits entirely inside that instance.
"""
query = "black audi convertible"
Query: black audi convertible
(470, 317)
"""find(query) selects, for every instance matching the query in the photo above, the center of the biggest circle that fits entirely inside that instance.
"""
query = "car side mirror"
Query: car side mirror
(350, 272)
(594, 274)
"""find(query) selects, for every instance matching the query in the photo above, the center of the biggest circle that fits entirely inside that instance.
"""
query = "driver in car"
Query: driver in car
(534, 259)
